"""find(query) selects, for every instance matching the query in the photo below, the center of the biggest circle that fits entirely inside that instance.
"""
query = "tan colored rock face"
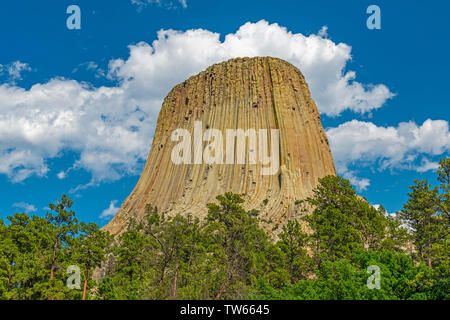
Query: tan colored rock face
(244, 93)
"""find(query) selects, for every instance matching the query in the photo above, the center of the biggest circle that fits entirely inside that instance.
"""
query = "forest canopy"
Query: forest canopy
(327, 254)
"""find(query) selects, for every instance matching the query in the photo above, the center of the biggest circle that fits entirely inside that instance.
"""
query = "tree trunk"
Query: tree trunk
(224, 287)
(221, 291)
(429, 253)
(163, 273)
(10, 271)
(52, 267)
(175, 279)
(429, 243)
(86, 276)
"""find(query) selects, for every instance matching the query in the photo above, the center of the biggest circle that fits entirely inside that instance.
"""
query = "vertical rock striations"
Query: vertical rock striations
(244, 93)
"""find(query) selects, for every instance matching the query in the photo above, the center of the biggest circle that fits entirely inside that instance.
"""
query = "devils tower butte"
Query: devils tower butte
(260, 93)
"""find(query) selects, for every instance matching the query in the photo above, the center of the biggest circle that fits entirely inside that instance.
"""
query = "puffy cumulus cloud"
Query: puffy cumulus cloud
(26, 207)
(401, 147)
(105, 126)
(110, 211)
(176, 55)
(361, 184)
(111, 127)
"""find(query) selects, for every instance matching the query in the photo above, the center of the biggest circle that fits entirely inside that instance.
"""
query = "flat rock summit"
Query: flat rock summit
(198, 151)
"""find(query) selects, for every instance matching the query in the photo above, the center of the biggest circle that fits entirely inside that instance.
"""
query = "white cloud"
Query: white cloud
(361, 184)
(112, 127)
(26, 207)
(358, 143)
(102, 124)
(427, 165)
(110, 211)
(61, 175)
(90, 66)
(183, 3)
(323, 32)
(176, 55)
(14, 70)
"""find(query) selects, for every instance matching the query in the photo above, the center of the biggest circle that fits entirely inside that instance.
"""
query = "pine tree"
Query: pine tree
(444, 188)
(89, 249)
(65, 225)
(131, 263)
(234, 235)
(171, 239)
(335, 222)
(23, 258)
(293, 244)
(420, 214)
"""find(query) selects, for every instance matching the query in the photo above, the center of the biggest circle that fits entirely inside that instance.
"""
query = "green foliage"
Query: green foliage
(292, 243)
(240, 245)
(322, 255)
(348, 235)
(420, 214)
(397, 237)
(427, 214)
(35, 253)
(342, 222)
(89, 250)
(24, 257)
(346, 280)
(181, 257)
(444, 179)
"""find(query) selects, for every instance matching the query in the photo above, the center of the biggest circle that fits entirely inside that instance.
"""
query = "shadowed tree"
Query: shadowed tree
(65, 225)
(293, 243)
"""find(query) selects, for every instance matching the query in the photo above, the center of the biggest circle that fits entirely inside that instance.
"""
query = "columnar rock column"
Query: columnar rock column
(244, 93)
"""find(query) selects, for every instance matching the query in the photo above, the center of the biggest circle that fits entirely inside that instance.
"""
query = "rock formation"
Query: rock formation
(244, 93)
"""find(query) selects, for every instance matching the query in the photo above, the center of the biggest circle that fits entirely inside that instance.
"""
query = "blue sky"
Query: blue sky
(78, 107)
